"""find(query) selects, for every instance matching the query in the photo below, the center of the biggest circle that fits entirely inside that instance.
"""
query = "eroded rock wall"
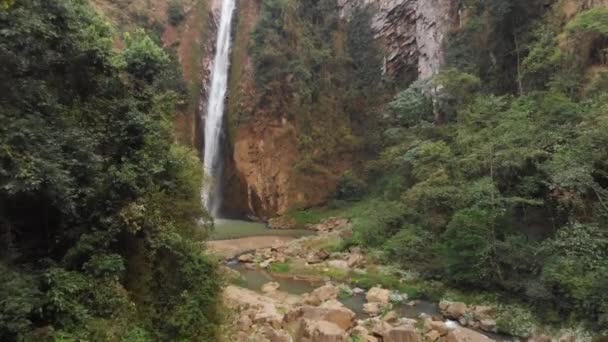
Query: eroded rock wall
(411, 32)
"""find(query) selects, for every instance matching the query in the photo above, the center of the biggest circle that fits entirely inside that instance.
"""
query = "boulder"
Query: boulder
(338, 314)
(466, 335)
(488, 325)
(270, 287)
(340, 264)
(378, 295)
(374, 308)
(320, 331)
(401, 334)
(331, 311)
(246, 258)
(432, 336)
(321, 294)
(390, 317)
(481, 312)
(379, 327)
(275, 335)
(440, 327)
(358, 290)
(454, 310)
(355, 260)
(244, 323)
(266, 263)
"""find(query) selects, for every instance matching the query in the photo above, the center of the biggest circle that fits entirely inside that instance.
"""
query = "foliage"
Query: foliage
(175, 13)
(594, 20)
(99, 208)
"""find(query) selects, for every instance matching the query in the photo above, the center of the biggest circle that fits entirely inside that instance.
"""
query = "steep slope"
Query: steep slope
(281, 161)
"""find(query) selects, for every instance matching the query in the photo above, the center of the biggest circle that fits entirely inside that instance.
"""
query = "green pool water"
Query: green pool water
(233, 229)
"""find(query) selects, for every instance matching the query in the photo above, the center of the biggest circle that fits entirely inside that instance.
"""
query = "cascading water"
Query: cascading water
(212, 162)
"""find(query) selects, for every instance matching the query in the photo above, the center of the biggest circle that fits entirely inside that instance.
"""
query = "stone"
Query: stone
(331, 311)
(390, 317)
(466, 335)
(378, 295)
(276, 335)
(374, 308)
(401, 334)
(320, 331)
(442, 328)
(246, 258)
(322, 294)
(481, 312)
(355, 260)
(453, 310)
(432, 336)
(379, 327)
(266, 263)
(488, 325)
(270, 287)
(338, 314)
(244, 323)
(358, 290)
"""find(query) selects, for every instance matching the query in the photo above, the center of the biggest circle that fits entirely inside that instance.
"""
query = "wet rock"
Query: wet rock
(466, 335)
(378, 295)
(401, 334)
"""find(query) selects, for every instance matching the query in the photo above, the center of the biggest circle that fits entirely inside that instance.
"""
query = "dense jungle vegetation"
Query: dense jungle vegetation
(98, 206)
(491, 176)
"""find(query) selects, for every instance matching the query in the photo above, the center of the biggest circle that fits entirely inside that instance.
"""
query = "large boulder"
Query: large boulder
(374, 308)
(321, 294)
(330, 311)
(453, 310)
(320, 331)
(401, 334)
(378, 295)
(466, 335)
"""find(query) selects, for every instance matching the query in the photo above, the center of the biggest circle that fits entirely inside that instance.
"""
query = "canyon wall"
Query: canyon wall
(262, 176)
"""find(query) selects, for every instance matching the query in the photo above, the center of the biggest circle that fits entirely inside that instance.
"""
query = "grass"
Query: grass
(280, 267)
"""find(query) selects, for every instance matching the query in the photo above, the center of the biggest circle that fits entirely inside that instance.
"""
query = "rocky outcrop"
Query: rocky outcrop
(411, 32)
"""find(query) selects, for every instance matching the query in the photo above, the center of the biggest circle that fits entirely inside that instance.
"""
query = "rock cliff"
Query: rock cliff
(261, 177)
(411, 32)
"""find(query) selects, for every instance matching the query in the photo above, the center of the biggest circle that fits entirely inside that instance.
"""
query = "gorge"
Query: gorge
(410, 170)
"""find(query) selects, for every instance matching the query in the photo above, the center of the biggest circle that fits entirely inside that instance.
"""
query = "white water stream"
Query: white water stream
(212, 194)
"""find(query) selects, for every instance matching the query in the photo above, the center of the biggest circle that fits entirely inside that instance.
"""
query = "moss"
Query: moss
(280, 267)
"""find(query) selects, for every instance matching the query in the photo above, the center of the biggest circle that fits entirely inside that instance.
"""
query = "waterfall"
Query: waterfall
(212, 162)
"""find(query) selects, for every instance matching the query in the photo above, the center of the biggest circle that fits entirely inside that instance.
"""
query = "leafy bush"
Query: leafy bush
(175, 13)
(350, 187)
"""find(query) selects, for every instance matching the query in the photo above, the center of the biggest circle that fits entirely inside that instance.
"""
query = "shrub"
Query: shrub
(350, 187)
(175, 13)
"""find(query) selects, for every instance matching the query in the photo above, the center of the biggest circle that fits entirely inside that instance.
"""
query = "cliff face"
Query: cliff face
(262, 176)
(411, 32)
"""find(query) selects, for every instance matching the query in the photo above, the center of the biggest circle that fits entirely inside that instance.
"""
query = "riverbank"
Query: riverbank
(295, 269)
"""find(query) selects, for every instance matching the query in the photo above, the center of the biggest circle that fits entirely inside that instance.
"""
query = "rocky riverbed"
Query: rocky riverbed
(300, 290)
